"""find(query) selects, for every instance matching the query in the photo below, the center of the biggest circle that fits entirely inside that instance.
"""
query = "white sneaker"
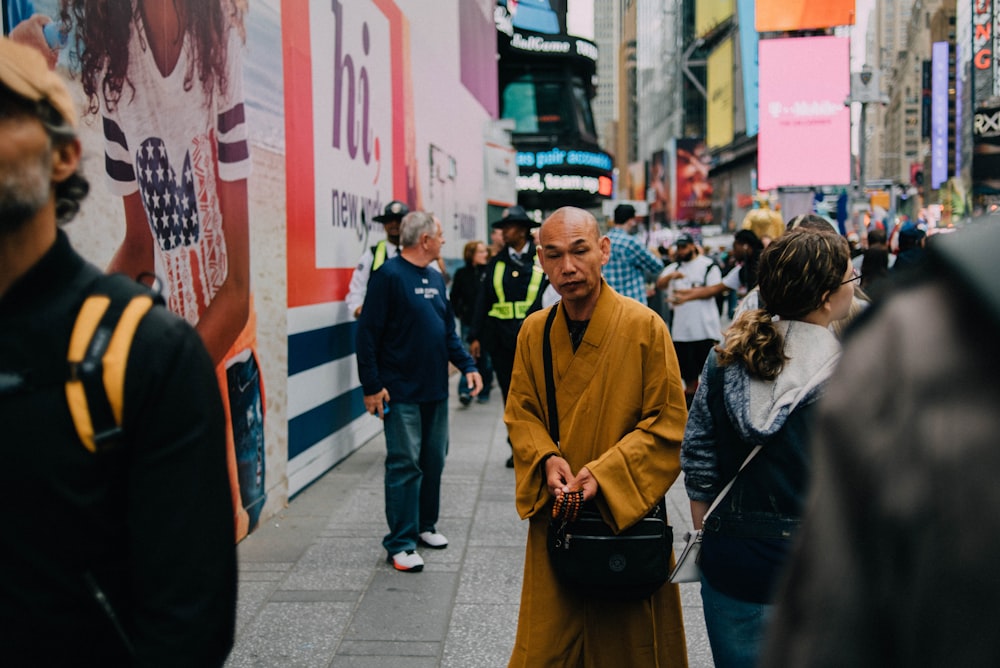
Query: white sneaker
(407, 561)
(433, 540)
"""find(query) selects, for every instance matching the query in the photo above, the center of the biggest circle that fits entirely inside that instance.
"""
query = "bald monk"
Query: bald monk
(621, 417)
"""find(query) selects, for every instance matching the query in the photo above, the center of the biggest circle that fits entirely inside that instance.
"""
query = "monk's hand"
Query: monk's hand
(558, 475)
(587, 482)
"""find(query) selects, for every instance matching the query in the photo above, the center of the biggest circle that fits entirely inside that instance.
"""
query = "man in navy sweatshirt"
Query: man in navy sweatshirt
(405, 339)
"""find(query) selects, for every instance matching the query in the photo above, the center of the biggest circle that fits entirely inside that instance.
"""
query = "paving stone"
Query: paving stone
(299, 635)
(404, 607)
(315, 589)
(480, 635)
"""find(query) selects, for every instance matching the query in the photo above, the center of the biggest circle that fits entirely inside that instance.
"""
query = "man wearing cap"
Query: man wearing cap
(630, 260)
(123, 554)
(375, 257)
(696, 326)
(514, 283)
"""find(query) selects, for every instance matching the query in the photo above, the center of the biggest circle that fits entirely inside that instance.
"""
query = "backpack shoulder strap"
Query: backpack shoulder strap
(98, 354)
(708, 268)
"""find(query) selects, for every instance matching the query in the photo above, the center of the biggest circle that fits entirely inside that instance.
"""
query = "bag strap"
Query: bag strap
(550, 383)
(725, 490)
(718, 375)
(711, 265)
(97, 357)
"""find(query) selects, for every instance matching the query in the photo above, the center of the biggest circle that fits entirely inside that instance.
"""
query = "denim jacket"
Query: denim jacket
(748, 536)
(732, 412)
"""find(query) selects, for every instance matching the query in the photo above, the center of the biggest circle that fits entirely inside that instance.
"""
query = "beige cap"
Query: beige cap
(24, 71)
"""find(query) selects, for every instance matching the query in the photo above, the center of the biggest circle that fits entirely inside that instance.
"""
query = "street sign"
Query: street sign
(866, 86)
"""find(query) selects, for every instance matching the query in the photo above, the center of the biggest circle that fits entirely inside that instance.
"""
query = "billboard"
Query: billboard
(478, 65)
(805, 128)
(986, 150)
(925, 99)
(749, 64)
(637, 182)
(985, 65)
(690, 191)
(782, 15)
(720, 94)
(365, 124)
(569, 170)
(329, 109)
(710, 13)
(658, 183)
(187, 183)
(540, 27)
(939, 114)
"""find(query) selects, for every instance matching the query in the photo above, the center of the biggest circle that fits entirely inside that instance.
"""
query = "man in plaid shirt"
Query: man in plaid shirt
(625, 272)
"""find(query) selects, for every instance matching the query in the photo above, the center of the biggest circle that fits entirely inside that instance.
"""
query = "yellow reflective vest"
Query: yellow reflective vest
(380, 253)
(505, 310)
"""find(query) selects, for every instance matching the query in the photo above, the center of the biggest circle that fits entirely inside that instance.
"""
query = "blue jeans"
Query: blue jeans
(735, 628)
(416, 441)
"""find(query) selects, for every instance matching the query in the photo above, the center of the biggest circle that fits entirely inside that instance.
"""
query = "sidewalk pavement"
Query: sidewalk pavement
(315, 588)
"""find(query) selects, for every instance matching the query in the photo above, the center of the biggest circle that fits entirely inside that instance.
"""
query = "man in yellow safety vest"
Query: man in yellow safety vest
(514, 283)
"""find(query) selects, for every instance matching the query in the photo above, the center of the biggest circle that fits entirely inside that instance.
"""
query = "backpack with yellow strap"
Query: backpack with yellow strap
(98, 356)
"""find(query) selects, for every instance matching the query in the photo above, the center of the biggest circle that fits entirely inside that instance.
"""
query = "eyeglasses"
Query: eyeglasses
(855, 277)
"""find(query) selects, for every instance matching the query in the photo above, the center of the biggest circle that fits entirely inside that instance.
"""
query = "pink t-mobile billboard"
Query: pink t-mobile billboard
(805, 128)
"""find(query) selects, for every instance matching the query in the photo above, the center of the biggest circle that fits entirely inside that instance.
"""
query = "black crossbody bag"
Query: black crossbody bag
(586, 554)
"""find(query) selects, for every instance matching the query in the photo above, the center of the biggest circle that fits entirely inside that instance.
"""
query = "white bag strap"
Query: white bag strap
(725, 490)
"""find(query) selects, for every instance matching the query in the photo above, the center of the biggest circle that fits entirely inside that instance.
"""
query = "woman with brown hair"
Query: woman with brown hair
(758, 388)
(464, 288)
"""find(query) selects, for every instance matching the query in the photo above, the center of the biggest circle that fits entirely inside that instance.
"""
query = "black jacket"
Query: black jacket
(464, 290)
(148, 525)
(493, 333)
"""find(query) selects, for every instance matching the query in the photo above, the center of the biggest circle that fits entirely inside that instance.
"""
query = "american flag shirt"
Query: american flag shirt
(171, 145)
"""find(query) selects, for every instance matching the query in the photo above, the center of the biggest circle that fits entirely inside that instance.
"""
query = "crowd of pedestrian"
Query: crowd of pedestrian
(825, 541)
(753, 391)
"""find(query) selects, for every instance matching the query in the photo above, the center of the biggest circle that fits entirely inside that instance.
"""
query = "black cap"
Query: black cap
(515, 214)
(684, 239)
(624, 213)
(394, 210)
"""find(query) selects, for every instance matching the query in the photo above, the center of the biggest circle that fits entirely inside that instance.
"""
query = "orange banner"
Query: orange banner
(780, 15)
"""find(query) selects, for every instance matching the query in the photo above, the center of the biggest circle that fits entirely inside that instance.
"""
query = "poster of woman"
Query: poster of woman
(165, 79)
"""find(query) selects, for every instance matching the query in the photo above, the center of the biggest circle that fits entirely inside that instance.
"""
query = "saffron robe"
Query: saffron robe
(621, 414)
